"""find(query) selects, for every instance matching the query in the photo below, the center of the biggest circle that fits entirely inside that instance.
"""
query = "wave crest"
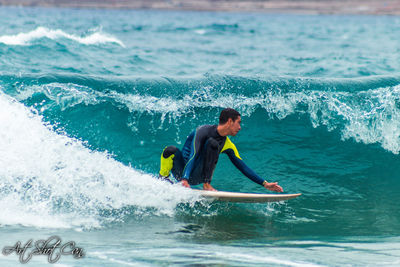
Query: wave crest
(365, 110)
(42, 32)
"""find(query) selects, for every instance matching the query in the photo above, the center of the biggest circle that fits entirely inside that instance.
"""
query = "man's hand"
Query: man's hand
(207, 186)
(273, 187)
(185, 183)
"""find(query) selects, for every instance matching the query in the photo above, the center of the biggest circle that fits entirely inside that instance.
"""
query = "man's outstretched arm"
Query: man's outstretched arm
(233, 154)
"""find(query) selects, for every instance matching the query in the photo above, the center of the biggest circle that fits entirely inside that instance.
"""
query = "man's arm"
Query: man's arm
(231, 151)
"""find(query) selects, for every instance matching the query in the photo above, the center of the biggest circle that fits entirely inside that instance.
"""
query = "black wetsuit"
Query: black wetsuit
(199, 156)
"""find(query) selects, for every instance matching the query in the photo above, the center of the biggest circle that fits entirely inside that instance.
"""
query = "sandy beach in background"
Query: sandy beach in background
(367, 7)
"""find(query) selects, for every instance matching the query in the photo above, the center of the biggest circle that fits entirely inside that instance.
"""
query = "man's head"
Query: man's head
(230, 120)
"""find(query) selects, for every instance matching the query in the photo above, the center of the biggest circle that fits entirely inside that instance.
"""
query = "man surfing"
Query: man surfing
(196, 162)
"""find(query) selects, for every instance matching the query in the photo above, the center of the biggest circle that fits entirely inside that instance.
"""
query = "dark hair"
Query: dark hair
(228, 113)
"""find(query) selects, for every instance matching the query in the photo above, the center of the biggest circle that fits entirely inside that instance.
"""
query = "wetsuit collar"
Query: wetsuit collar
(216, 129)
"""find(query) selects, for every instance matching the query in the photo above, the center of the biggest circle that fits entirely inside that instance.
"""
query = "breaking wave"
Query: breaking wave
(50, 180)
(94, 38)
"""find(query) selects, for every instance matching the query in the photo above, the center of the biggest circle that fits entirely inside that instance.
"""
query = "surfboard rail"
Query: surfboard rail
(245, 197)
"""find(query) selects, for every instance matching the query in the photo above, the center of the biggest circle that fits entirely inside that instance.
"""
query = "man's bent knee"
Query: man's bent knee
(167, 160)
(168, 151)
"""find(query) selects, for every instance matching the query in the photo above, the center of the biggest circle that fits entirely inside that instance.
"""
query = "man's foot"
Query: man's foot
(165, 178)
(185, 183)
(207, 186)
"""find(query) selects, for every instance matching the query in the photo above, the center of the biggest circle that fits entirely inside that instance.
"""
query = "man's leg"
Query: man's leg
(171, 160)
(210, 159)
(205, 165)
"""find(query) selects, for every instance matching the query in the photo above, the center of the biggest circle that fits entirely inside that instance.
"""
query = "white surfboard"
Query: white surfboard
(245, 197)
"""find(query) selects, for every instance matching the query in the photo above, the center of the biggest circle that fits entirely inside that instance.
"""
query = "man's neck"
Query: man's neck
(222, 131)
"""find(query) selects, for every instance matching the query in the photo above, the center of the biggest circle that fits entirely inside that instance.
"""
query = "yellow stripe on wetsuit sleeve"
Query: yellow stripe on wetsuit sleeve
(229, 145)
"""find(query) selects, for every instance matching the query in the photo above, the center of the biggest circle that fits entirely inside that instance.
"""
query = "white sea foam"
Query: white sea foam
(229, 255)
(94, 38)
(51, 180)
(257, 259)
(200, 31)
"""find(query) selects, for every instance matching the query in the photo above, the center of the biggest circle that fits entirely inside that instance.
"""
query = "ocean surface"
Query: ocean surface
(89, 98)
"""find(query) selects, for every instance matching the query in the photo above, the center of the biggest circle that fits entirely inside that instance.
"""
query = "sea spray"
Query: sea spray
(51, 180)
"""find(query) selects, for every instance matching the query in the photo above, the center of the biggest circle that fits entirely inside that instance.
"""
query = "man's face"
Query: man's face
(234, 126)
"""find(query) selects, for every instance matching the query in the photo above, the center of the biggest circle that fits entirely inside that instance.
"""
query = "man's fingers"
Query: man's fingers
(276, 187)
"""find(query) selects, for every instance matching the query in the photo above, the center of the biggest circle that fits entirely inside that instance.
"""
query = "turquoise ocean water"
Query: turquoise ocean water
(89, 98)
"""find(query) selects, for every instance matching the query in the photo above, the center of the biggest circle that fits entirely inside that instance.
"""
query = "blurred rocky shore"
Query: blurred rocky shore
(372, 7)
